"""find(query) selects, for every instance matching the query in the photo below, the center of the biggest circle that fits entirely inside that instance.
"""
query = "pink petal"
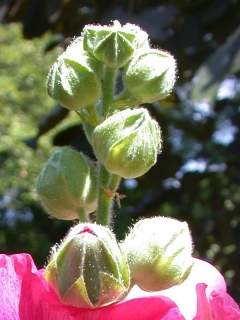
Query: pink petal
(203, 306)
(39, 302)
(184, 295)
(12, 269)
(223, 306)
(20, 280)
(219, 306)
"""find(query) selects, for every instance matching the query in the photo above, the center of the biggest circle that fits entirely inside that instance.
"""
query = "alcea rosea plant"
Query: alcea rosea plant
(90, 268)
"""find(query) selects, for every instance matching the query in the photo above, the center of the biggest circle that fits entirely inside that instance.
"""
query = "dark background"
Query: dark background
(197, 177)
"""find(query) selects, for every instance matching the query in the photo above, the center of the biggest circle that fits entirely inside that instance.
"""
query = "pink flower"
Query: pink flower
(25, 295)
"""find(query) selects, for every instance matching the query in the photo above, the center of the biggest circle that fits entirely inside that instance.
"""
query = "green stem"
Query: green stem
(104, 198)
(108, 89)
(106, 184)
(114, 183)
(104, 209)
(82, 215)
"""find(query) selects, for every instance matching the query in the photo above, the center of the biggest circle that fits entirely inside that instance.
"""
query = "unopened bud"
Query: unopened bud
(159, 253)
(73, 80)
(128, 142)
(114, 45)
(89, 270)
(67, 184)
(150, 76)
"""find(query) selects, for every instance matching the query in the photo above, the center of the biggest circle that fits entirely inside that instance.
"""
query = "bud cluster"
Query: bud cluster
(126, 142)
(75, 78)
(90, 269)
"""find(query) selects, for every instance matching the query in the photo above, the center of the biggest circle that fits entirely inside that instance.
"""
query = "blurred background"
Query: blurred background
(197, 177)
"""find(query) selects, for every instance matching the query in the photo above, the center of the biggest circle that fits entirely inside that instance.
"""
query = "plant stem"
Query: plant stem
(114, 183)
(108, 89)
(107, 183)
(107, 188)
(104, 199)
(82, 215)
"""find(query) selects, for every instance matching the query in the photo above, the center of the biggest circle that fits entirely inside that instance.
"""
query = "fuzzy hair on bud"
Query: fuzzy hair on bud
(74, 80)
(159, 253)
(128, 142)
(113, 45)
(150, 75)
(88, 269)
(68, 184)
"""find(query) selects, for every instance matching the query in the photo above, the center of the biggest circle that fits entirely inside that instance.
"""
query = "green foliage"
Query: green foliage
(23, 100)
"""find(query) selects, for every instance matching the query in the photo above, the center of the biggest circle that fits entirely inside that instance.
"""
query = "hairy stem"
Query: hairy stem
(104, 200)
(108, 89)
(114, 182)
(107, 182)
(82, 215)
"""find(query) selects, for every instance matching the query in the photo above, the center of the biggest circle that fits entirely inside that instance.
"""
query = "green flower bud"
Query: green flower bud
(67, 184)
(128, 142)
(141, 40)
(113, 45)
(89, 270)
(73, 80)
(159, 253)
(150, 76)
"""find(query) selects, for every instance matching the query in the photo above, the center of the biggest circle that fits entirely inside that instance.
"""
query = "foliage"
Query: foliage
(23, 102)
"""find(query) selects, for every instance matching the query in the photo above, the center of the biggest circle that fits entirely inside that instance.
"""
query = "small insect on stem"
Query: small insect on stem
(115, 195)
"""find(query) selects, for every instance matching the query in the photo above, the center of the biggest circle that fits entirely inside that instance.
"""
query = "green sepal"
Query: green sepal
(113, 45)
(88, 269)
(128, 142)
(67, 184)
(110, 286)
(74, 79)
(77, 295)
(150, 75)
(163, 257)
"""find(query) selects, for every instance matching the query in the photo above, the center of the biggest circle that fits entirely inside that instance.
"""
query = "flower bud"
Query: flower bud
(67, 184)
(159, 253)
(89, 270)
(73, 80)
(128, 142)
(113, 45)
(150, 76)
